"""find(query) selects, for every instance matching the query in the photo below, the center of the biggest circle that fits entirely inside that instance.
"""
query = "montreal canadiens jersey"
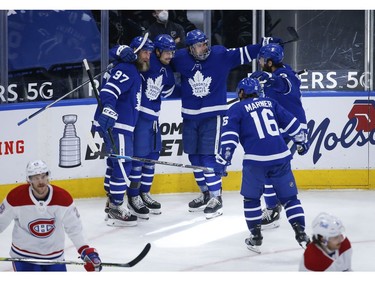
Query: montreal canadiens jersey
(204, 83)
(40, 226)
(256, 123)
(315, 259)
(289, 96)
(122, 90)
(157, 82)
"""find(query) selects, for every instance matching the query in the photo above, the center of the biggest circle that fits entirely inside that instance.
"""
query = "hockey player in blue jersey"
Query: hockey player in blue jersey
(120, 98)
(255, 122)
(282, 84)
(204, 71)
(158, 81)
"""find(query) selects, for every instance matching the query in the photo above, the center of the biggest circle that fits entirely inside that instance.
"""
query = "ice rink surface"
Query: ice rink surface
(186, 242)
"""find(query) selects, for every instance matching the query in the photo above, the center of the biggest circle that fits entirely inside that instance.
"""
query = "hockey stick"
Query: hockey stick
(95, 150)
(132, 263)
(292, 31)
(303, 71)
(110, 66)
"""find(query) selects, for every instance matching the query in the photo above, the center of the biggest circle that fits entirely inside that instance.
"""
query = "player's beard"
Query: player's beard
(143, 66)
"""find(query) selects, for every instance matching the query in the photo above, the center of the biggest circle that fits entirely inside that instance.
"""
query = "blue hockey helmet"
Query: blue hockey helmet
(164, 42)
(137, 41)
(197, 36)
(273, 52)
(250, 86)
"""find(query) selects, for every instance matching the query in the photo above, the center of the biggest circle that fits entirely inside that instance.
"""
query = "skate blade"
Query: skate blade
(119, 223)
(255, 249)
(271, 225)
(214, 215)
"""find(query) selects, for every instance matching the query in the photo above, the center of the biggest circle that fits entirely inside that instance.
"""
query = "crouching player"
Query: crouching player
(330, 250)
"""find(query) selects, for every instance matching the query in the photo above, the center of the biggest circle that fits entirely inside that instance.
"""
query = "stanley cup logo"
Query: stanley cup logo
(70, 144)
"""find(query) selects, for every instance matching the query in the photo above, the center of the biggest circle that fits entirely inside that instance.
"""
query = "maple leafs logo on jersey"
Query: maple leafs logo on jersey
(200, 85)
(154, 89)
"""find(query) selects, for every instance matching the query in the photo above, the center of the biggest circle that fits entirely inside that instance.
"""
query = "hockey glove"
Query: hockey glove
(265, 78)
(269, 40)
(220, 168)
(302, 142)
(108, 117)
(123, 53)
(91, 258)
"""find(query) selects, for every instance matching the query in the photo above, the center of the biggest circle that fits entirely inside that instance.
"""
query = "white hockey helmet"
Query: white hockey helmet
(36, 167)
(327, 226)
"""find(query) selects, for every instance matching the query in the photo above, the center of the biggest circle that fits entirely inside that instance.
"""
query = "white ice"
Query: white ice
(186, 242)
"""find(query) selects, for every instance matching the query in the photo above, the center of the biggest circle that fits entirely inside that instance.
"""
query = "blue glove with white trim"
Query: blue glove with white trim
(268, 40)
(265, 78)
(108, 117)
(124, 53)
(302, 142)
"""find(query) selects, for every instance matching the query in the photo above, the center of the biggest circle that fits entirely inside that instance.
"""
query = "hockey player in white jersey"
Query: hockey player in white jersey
(204, 71)
(330, 250)
(42, 214)
(255, 122)
(282, 84)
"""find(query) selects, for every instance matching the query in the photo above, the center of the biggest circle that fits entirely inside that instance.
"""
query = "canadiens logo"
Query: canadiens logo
(42, 228)
(200, 85)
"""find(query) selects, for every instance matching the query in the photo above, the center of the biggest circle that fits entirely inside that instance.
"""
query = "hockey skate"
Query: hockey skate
(271, 217)
(153, 205)
(214, 207)
(119, 216)
(137, 207)
(301, 237)
(199, 203)
(255, 240)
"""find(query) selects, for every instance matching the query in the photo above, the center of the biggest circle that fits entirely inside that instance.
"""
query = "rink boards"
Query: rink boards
(341, 124)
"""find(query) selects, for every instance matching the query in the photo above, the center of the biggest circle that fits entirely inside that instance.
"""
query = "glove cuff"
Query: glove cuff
(81, 249)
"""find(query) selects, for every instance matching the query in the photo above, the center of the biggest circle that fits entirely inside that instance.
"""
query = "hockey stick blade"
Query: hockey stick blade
(142, 43)
(132, 263)
(295, 37)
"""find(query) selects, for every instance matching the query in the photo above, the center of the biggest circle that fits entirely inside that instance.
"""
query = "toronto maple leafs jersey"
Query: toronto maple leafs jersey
(255, 123)
(157, 82)
(122, 90)
(316, 259)
(40, 226)
(289, 95)
(204, 83)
